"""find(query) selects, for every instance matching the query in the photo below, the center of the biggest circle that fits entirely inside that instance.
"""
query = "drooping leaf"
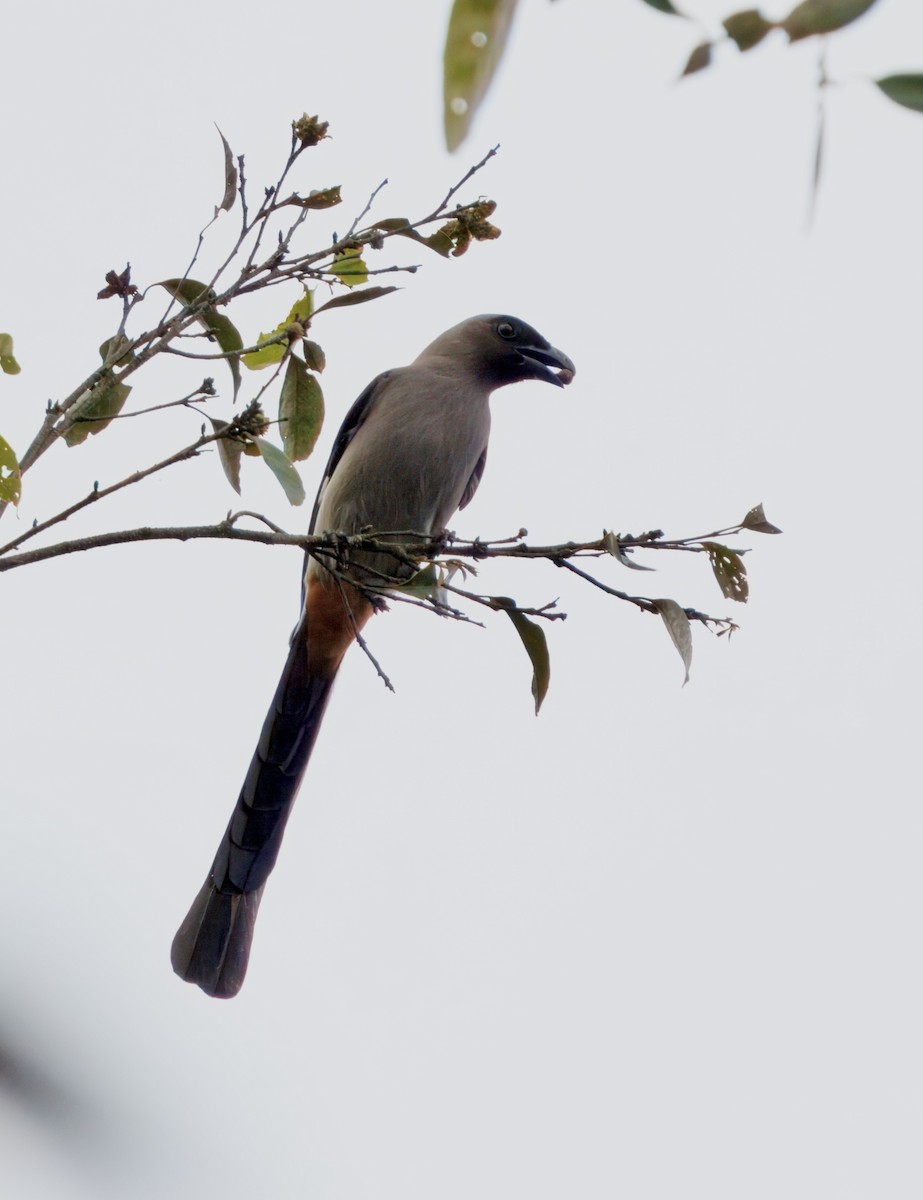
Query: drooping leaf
(437, 241)
(230, 177)
(729, 570)
(474, 44)
(756, 520)
(370, 293)
(226, 335)
(10, 477)
(187, 291)
(822, 16)
(614, 547)
(747, 28)
(349, 268)
(96, 408)
(664, 6)
(678, 628)
(220, 327)
(283, 470)
(8, 363)
(698, 60)
(533, 638)
(906, 90)
(301, 410)
(229, 452)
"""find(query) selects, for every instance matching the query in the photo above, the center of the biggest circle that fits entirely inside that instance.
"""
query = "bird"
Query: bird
(411, 452)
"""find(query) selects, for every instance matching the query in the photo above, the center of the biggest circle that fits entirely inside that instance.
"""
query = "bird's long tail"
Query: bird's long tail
(212, 946)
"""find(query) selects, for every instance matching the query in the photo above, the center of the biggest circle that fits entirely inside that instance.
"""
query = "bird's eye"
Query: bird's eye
(506, 330)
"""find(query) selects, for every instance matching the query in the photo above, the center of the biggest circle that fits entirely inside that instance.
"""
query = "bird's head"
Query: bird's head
(502, 349)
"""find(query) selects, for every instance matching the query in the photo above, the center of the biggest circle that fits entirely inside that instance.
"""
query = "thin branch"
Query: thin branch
(368, 206)
(357, 634)
(100, 493)
(638, 601)
(199, 396)
(464, 179)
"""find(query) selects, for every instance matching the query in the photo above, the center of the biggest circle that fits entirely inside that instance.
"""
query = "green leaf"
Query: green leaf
(698, 60)
(349, 268)
(301, 410)
(474, 45)
(756, 520)
(421, 585)
(664, 6)
(10, 477)
(220, 327)
(266, 356)
(822, 16)
(230, 177)
(283, 471)
(747, 28)
(225, 334)
(187, 291)
(370, 293)
(115, 349)
(906, 90)
(678, 628)
(533, 638)
(729, 570)
(95, 409)
(8, 364)
(300, 313)
(314, 356)
(229, 452)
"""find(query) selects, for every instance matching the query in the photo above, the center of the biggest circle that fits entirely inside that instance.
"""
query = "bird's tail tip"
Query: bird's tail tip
(212, 946)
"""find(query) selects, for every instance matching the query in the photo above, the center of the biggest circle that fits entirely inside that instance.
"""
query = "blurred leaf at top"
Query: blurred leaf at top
(822, 16)
(474, 45)
(664, 6)
(747, 28)
(903, 89)
(698, 60)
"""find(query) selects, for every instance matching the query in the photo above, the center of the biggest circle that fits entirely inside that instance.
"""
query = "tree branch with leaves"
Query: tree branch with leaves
(196, 325)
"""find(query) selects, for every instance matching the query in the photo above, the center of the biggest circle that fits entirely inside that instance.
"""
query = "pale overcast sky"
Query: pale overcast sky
(659, 942)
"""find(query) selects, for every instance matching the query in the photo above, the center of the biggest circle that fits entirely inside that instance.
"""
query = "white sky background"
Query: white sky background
(659, 942)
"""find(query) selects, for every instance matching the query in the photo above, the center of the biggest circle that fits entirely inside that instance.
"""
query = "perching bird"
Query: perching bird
(410, 452)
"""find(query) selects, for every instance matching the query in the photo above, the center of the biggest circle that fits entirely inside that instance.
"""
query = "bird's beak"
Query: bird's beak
(547, 358)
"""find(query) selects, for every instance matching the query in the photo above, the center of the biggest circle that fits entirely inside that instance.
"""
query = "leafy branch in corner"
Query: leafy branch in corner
(267, 252)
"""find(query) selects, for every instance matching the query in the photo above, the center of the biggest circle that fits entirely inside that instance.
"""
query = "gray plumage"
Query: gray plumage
(410, 452)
